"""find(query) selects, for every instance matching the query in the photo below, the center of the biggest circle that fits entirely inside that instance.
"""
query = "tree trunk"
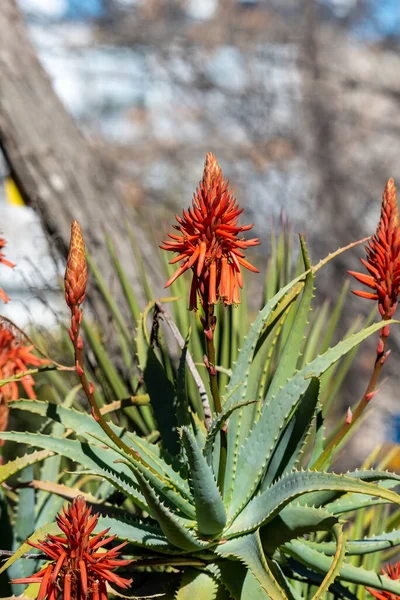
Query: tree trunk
(56, 170)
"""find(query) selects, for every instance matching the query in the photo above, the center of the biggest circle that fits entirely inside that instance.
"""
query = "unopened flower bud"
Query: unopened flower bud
(79, 369)
(349, 416)
(76, 270)
(369, 396)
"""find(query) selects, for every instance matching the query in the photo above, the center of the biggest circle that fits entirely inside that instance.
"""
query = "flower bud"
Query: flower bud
(76, 270)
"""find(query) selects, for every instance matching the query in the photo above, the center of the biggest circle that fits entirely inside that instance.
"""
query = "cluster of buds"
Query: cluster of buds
(392, 571)
(7, 263)
(79, 566)
(208, 242)
(75, 280)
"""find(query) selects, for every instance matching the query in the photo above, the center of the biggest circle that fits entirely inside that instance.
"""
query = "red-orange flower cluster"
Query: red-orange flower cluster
(7, 263)
(383, 257)
(79, 566)
(392, 571)
(16, 357)
(209, 241)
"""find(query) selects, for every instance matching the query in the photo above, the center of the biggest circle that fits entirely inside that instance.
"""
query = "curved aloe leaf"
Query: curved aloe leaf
(248, 550)
(269, 503)
(89, 456)
(173, 526)
(240, 423)
(292, 522)
(290, 353)
(196, 584)
(317, 561)
(253, 458)
(239, 581)
(210, 509)
(15, 466)
(84, 425)
(288, 449)
(337, 562)
(376, 543)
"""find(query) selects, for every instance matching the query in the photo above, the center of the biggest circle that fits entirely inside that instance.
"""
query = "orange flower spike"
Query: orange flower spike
(76, 271)
(77, 570)
(209, 241)
(383, 257)
(392, 571)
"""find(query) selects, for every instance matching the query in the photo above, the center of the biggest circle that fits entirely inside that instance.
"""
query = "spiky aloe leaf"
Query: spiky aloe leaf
(367, 545)
(15, 466)
(337, 562)
(253, 459)
(210, 509)
(328, 498)
(173, 526)
(136, 532)
(84, 425)
(248, 550)
(160, 389)
(292, 522)
(240, 422)
(268, 504)
(182, 403)
(288, 449)
(290, 353)
(25, 547)
(89, 456)
(238, 580)
(317, 561)
(196, 584)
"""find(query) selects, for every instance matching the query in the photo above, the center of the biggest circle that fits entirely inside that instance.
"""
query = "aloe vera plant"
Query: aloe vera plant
(231, 496)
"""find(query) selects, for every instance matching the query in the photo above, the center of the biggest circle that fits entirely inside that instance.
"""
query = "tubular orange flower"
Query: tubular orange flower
(209, 241)
(16, 357)
(7, 263)
(392, 571)
(383, 257)
(79, 566)
(76, 270)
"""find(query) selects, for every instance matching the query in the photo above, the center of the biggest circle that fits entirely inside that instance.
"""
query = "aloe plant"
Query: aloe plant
(227, 499)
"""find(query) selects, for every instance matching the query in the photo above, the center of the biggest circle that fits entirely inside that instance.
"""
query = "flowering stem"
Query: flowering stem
(88, 386)
(210, 364)
(352, 418)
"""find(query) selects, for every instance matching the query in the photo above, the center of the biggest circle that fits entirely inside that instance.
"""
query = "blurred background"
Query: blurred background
(299, 101)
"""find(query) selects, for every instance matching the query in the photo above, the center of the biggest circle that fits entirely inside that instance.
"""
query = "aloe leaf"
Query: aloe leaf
(240, 423)
(210, 509)
(287, 450)
(84, 425)
(182, 404)
(136, 532)
(15, 466)
(292, 522)
(239, 581)
(290, 353)
(337, 562)
(321, 563)
(248, 550)
(46, 505)
(25, 547)
(89, 456)
(253, 459)
(367, 545)
(173, 526)
(266, 505)
(196, 584)
(329, 498)
(160, 389)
